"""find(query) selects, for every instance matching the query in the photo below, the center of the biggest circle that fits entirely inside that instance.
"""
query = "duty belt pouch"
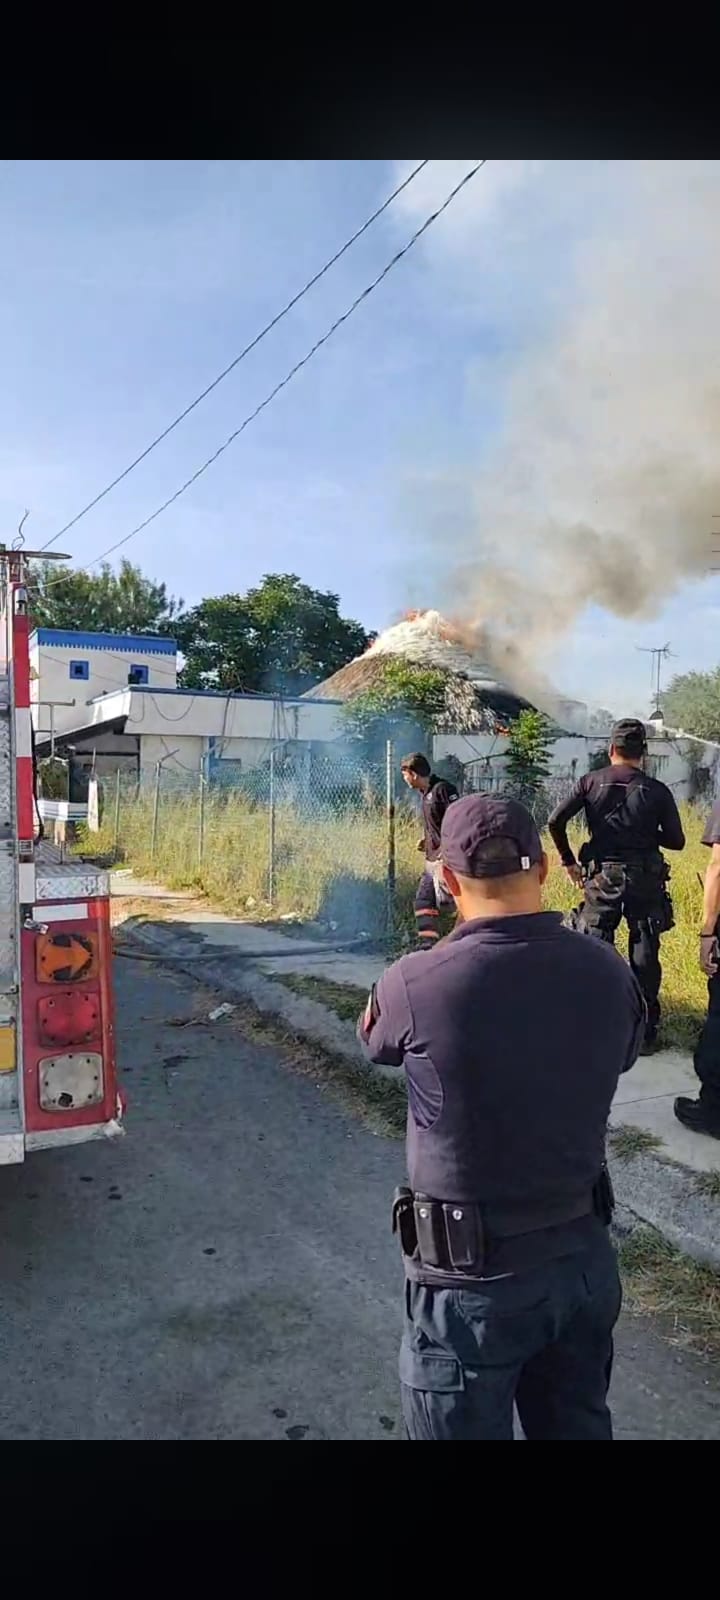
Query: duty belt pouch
(430, 1231)
(463, 1232)
(604, 1197)
(403, 1220)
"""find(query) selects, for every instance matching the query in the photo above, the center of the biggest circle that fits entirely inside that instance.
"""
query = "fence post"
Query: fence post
(201, 819)
(156, 808)
(116, 826)
(271, 833)
(390, 819)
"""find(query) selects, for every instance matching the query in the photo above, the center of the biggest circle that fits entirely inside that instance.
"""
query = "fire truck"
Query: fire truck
(58, 1081)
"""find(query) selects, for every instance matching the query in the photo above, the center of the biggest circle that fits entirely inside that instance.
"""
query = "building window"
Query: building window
(138, 675)
(80, 669)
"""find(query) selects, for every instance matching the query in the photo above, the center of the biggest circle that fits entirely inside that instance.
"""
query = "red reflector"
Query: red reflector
(68, 1016)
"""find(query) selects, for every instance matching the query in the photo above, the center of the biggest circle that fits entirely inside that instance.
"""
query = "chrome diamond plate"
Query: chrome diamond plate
(8, 915)
(66, 879)
(6, 801)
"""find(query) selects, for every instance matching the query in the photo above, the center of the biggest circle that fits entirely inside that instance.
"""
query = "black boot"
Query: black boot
(694, 1115)
(650, 1044)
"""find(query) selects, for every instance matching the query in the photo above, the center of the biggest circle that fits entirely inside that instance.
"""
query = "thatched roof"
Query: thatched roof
(476, 699)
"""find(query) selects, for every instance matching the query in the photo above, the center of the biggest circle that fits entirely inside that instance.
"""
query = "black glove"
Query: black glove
(709, 954)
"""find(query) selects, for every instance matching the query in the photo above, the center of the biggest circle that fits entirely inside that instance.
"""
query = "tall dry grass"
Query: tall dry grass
(333, 866)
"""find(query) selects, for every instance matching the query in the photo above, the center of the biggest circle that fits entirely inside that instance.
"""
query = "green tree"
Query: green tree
(692, 702)
(406, 702)
(282, 638)
(100, 602)
(528, 759)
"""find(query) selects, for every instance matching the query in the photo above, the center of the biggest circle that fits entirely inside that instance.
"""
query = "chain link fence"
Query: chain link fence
(304, 834)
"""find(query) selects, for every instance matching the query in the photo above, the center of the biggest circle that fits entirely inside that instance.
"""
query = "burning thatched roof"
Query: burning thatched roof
(476, 698)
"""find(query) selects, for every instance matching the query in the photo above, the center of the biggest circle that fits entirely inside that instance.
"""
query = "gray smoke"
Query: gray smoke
(604, 482)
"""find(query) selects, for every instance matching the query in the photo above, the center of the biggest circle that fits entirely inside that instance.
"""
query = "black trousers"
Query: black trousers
(707, 1052)
(540, 1341)
(614, 892)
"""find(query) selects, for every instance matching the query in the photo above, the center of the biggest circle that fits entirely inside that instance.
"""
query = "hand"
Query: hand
(575, 874)
(709, 954)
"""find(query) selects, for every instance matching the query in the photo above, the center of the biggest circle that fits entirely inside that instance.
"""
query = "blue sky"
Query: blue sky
(124, 288)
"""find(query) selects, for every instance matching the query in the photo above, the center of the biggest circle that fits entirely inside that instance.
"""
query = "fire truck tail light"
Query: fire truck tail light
(69, 1082)
(69, 1016)
(66, 957)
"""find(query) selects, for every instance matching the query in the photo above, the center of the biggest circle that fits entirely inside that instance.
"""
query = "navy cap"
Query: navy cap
(476, 819)
(631, 734)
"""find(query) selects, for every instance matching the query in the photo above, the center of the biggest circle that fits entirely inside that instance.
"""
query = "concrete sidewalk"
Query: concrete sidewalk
(665, 1173)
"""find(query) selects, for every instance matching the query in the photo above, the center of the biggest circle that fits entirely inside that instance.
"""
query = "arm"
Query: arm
(671, 828)
(638, 1022)
(558, 822)
(711, 893)
(440, 798)
(385, 1026)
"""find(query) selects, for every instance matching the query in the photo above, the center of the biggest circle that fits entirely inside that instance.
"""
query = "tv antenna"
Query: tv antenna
(659, 654)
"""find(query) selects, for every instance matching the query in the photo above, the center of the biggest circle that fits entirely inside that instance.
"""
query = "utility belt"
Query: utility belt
(457, 1238)
(649, 862)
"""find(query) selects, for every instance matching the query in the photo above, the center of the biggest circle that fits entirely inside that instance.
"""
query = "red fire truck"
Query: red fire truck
(58, 1080)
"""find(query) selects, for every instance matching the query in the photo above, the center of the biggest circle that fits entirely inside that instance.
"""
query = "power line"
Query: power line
(241, 357)
(289, 376)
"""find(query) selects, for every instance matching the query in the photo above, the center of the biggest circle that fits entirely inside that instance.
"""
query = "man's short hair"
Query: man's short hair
(417, 763)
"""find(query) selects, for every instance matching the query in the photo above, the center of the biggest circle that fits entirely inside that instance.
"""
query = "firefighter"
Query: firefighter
(512, 1288)
(629, 817)
(703, 1114)
(437, 795)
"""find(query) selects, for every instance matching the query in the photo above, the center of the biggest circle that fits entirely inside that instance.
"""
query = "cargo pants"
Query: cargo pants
(637, 893)
(429, 899)
(540, 1341)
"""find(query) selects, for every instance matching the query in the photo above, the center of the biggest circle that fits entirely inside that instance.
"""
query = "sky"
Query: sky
(126, 286)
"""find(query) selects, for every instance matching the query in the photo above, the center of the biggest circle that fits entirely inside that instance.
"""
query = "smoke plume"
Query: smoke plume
(603, 484)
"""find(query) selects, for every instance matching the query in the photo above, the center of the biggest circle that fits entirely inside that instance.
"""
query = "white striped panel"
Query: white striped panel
(23, 735)
(26, 882)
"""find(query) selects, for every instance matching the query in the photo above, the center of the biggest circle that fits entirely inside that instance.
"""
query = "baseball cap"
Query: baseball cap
(630, 734)
(471, 822)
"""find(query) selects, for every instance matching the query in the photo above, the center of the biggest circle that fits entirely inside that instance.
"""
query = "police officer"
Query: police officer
(437, 795)
(703, 1114)
(629, 816)
(512, 1288)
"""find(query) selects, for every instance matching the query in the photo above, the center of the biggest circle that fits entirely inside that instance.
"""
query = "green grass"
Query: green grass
(626, 1142)
(345, 999)
(659, 1281)
(331, 867)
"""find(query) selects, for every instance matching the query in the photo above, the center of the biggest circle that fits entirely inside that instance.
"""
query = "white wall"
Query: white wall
(671, 760)
(207, 716)
(108, 667)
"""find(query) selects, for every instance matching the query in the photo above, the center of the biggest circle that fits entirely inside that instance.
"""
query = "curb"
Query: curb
(650, 1189)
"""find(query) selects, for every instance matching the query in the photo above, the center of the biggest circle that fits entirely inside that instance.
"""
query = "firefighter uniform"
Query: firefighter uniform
(703, 1114)
(512, 1289)
(431, 896)
(629, 817)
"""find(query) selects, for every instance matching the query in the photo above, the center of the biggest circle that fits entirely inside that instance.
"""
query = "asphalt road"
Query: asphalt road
(226, 1271)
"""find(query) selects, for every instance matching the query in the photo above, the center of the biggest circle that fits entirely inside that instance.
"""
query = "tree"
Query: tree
(282, 638)
(406, 702)
(692, 702)
(100, 602)
(528, 760)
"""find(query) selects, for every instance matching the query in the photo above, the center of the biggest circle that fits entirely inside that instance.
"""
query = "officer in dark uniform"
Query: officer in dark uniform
(437, 795)
(629, 816)
(703, 1114)
(512, 1288)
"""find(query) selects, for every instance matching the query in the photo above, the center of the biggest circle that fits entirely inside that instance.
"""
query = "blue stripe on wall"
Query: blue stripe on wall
(137, 643)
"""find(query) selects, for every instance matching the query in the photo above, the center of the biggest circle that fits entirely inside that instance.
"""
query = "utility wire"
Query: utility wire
(289, 376)
(241, 357)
